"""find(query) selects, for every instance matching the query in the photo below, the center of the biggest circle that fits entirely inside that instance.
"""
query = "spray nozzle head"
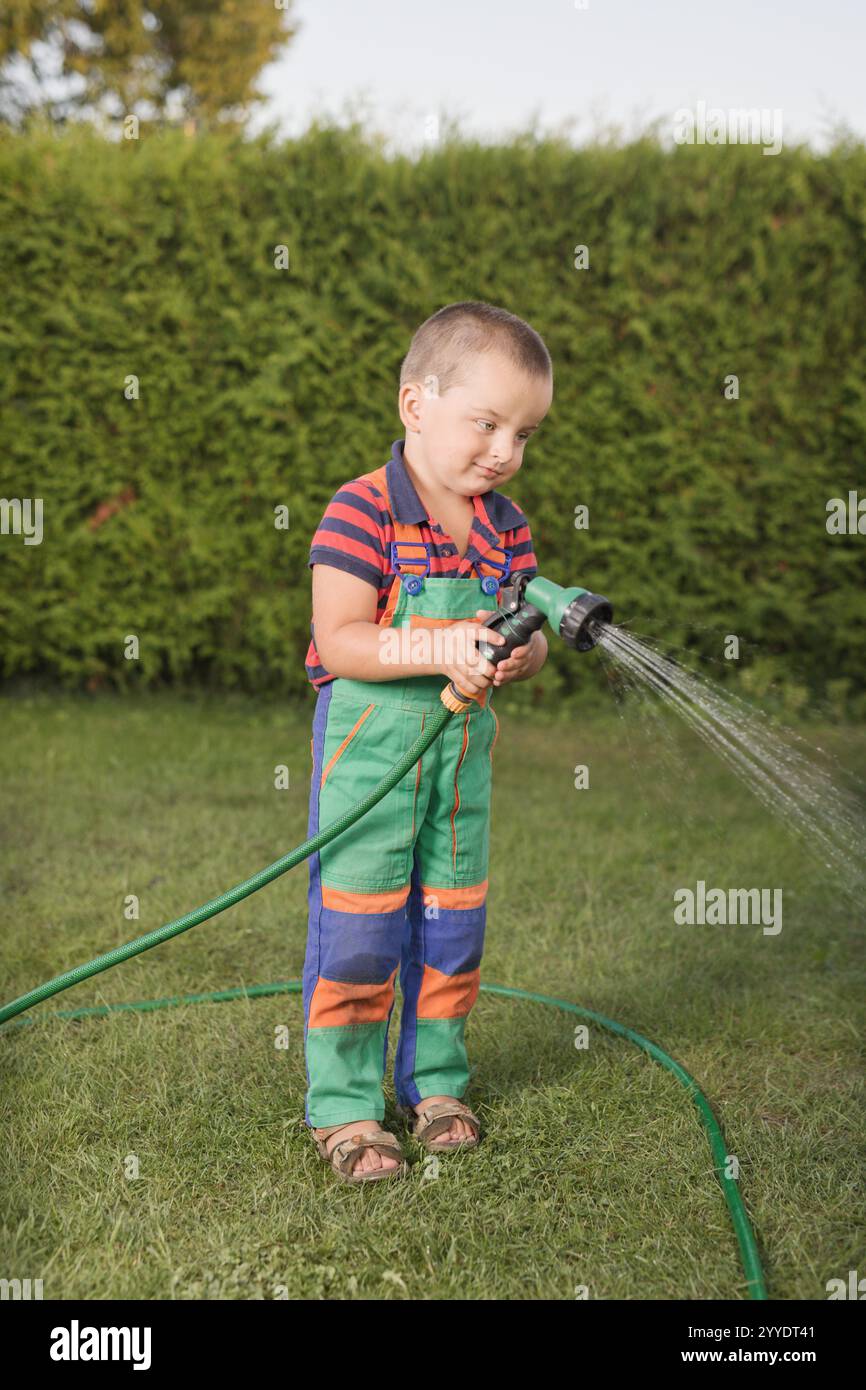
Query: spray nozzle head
(580, 626)
(575, 614)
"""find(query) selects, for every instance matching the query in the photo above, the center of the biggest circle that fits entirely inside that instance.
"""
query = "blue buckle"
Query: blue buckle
(412, 583)
(489, 583)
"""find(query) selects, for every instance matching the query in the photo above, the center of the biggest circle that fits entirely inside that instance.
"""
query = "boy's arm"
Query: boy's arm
(347, 636)
(348, 557)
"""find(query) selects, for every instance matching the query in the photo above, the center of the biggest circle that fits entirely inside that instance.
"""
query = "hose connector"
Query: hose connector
(452, 699)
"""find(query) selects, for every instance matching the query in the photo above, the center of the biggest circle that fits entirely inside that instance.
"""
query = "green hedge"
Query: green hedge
(261, 387)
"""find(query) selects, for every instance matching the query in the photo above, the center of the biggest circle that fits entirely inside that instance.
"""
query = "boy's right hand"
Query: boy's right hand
(472, 675)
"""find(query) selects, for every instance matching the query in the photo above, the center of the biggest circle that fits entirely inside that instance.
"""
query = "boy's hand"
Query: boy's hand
(519, 663)
(474, 674)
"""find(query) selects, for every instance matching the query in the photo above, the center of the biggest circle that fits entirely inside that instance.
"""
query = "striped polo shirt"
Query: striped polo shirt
(355, 535)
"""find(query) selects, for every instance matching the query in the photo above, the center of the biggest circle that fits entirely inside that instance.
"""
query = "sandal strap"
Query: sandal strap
(429, 1122)
(379, 1139)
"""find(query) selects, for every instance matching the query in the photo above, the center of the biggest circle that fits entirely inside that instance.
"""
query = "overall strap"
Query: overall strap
(402, 530)
(408, 543)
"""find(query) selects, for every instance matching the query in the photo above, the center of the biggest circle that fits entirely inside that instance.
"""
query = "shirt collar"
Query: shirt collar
(500, 513)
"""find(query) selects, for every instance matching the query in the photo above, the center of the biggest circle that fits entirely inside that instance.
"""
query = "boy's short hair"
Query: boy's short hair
(445, 343)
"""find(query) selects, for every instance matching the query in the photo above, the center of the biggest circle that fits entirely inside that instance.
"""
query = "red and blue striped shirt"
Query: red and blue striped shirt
(356, 532)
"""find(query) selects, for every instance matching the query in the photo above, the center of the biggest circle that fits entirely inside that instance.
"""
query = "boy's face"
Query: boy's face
(472, 438)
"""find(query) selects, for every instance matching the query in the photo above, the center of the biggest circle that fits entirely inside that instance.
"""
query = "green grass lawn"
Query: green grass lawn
(595, 1169)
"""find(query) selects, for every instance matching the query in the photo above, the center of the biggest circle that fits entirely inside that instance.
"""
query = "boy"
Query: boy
(405, 887)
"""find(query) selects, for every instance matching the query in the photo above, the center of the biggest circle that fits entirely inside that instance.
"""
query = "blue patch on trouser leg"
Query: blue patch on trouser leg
(411, 975)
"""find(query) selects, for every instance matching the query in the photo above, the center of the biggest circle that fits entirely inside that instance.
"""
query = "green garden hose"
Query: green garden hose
(745, 1235)
(243, 890)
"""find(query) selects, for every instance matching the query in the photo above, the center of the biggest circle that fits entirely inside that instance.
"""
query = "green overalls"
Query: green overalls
(406, 885)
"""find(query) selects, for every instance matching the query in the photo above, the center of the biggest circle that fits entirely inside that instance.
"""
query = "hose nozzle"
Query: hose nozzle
(579, 613)
(574, 614)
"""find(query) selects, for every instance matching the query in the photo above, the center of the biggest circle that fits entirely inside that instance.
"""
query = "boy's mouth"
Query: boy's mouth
(488, 472)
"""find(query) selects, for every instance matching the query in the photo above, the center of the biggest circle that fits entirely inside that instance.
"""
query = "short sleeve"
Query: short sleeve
(351, 534)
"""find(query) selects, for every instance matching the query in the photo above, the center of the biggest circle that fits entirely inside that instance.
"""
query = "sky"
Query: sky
(582, 67)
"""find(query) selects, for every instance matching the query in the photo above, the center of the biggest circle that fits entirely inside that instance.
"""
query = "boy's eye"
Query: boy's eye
(524, 434)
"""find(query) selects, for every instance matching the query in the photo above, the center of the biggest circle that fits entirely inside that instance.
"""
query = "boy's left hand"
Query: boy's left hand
(523, 660)
(517, 664)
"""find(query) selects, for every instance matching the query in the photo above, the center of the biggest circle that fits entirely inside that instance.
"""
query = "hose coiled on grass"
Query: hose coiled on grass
(742, 1227)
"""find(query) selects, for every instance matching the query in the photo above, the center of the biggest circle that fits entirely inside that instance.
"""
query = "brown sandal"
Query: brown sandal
(343, 1154)
(436, 1119)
